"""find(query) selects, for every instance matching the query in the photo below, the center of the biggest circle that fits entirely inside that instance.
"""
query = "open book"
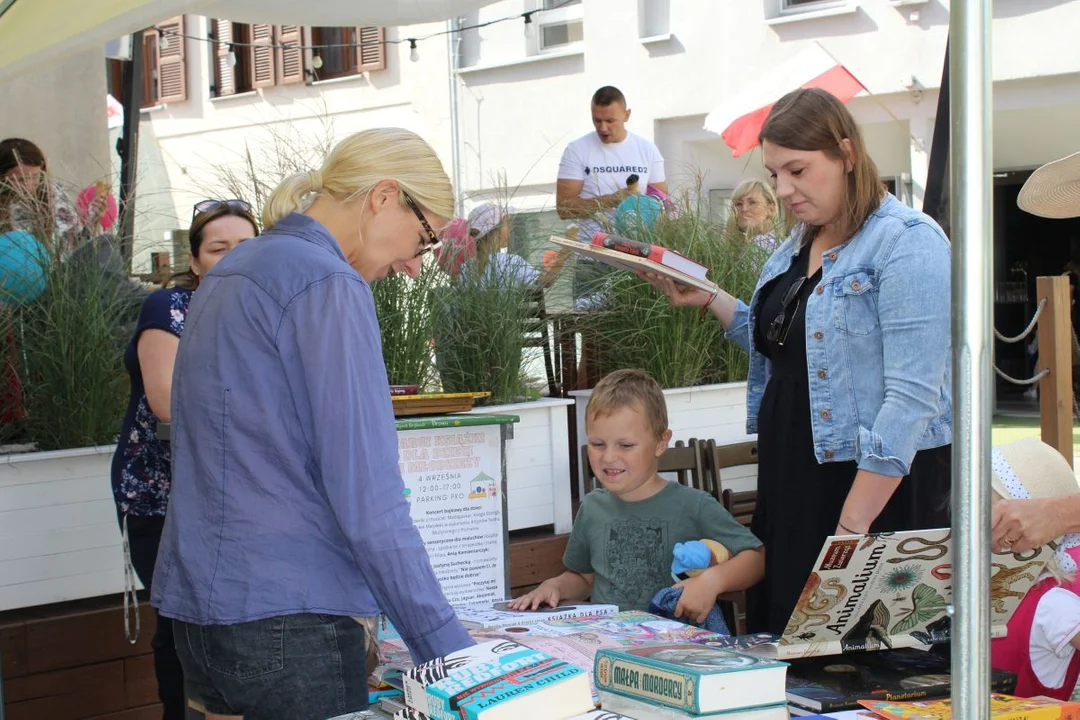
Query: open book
(893, 590)
(632, 262)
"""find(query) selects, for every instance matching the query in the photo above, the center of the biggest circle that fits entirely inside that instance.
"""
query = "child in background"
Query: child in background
(1044, 632)
(621, 546)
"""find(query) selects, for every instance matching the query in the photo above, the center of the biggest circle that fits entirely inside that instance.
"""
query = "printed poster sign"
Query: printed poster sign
(453, 481)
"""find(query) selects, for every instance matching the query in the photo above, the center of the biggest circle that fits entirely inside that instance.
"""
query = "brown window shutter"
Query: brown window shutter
(371, 53)
(261, 55)
(224, 72)
(151, 89)
(171, 69)
(290, 62)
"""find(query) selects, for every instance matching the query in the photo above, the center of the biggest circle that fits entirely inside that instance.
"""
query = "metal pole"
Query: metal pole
(128, 145)
(972, 252)
(453, 40)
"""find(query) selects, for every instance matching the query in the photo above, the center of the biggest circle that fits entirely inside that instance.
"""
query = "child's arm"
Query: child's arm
(701, 593)
(568, 586)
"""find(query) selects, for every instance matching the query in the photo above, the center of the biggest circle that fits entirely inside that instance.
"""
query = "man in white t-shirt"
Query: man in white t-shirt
(595, 169)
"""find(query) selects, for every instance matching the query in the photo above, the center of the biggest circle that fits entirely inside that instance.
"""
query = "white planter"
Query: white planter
(537, 464)
(706, 412)
(59, 539)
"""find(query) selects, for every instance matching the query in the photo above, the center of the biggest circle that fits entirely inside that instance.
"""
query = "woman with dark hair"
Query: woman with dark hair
(848, 335)
(32, 201)
(141, 473)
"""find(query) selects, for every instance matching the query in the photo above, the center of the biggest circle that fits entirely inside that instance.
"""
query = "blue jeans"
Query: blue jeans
(291, 667)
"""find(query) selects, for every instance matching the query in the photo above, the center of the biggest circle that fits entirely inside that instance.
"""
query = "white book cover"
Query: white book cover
(499, 615)
(893, 590)
(415, 680)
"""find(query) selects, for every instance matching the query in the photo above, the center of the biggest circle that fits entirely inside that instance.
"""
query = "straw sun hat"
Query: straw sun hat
(1053, 191)
(1029, 468)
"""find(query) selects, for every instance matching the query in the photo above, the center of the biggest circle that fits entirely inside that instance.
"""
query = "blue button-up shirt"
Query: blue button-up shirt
(287, 496)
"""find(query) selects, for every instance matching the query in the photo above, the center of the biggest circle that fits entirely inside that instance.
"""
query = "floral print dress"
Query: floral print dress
(141, 468)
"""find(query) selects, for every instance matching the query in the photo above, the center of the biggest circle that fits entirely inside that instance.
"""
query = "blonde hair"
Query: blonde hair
(361, 161)
(629, 389)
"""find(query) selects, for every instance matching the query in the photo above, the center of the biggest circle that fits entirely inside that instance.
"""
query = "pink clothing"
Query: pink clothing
(1037, 647)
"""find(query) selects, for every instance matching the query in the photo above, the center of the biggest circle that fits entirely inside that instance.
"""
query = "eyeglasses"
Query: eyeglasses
(208, 205)
(433, 242)
(781, 324)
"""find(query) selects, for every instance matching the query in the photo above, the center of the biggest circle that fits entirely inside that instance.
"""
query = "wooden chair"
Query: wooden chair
(684, 460)
(741, 505)
(537, 334)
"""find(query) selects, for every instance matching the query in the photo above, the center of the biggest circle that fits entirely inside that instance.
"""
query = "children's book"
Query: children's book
(691, 678)
(648, 711)
(627, 627)
(1002, 707)
(603, 715)
(499, 615)
(763, 644)
(893, 590)
(632, 262)
(829, 683)
(416, 680)
(534, 687)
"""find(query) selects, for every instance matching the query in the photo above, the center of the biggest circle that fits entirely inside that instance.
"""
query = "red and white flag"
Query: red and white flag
(739, 121)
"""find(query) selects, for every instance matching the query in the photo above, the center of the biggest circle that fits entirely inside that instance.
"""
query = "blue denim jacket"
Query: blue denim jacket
(287, 496)
(878, 351)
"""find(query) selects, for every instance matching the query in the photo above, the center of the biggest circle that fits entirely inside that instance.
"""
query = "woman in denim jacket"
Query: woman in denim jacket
(848, 335)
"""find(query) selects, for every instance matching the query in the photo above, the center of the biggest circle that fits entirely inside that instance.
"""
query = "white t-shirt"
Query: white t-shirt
(604, 167)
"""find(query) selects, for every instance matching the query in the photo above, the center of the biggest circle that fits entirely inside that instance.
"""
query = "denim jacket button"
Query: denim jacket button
(820, 289)
(825, 414)
(828, 454)
(818, 335)
(832, 257)
(855, 285)
(822, 374)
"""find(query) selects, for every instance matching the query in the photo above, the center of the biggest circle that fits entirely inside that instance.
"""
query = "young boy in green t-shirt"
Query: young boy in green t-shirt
(620, 550)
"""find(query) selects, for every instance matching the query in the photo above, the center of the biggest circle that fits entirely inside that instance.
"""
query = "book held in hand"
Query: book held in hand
(632, 262)
(893, 590)
(691, 678)
(655, 253)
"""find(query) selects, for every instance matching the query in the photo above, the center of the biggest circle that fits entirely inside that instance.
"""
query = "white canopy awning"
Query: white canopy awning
(37, 31)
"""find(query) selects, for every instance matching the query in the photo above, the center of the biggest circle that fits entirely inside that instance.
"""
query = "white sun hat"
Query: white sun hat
(1053, 191)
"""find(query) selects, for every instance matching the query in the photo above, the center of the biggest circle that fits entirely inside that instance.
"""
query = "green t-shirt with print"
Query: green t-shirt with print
(628, 546)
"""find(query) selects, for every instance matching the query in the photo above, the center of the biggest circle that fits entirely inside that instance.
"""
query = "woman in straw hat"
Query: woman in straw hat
(1052, 191)
(1044, 632)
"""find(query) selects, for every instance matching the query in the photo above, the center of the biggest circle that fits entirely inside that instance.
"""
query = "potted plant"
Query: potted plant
(631, 325)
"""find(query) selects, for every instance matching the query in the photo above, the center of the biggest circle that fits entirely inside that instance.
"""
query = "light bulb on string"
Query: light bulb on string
(163, 43)
(530, 26)
(316, 61)
(230, 57)
(414, 54)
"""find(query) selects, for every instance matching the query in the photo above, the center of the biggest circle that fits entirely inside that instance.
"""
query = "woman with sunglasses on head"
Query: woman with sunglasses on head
(288, 517)
(850, 368)
(141, 473)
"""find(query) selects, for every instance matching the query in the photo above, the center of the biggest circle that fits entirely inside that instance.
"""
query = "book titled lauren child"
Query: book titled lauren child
(416, 680)
(499, 615)
(692, 678)
(543, 689)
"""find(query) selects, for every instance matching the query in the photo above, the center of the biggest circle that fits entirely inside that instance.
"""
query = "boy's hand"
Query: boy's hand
(546, 594)
(697, 599)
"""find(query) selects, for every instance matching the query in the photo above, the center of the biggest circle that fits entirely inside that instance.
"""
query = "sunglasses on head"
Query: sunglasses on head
(208, 205)
(433, 241)
(781, 324)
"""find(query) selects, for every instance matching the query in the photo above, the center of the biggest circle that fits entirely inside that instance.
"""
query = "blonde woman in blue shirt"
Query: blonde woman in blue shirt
(850, 362)
(287, 515)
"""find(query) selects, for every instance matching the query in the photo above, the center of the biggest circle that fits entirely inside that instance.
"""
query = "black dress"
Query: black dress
(800, 500)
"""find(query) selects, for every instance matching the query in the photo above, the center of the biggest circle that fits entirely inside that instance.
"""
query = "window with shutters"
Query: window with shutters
(246, 56)
(165, 70)
(343, 51)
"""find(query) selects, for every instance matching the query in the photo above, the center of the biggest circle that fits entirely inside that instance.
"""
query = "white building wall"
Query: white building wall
(676, 61)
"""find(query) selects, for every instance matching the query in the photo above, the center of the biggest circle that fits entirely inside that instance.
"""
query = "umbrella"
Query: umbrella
(739, 120)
